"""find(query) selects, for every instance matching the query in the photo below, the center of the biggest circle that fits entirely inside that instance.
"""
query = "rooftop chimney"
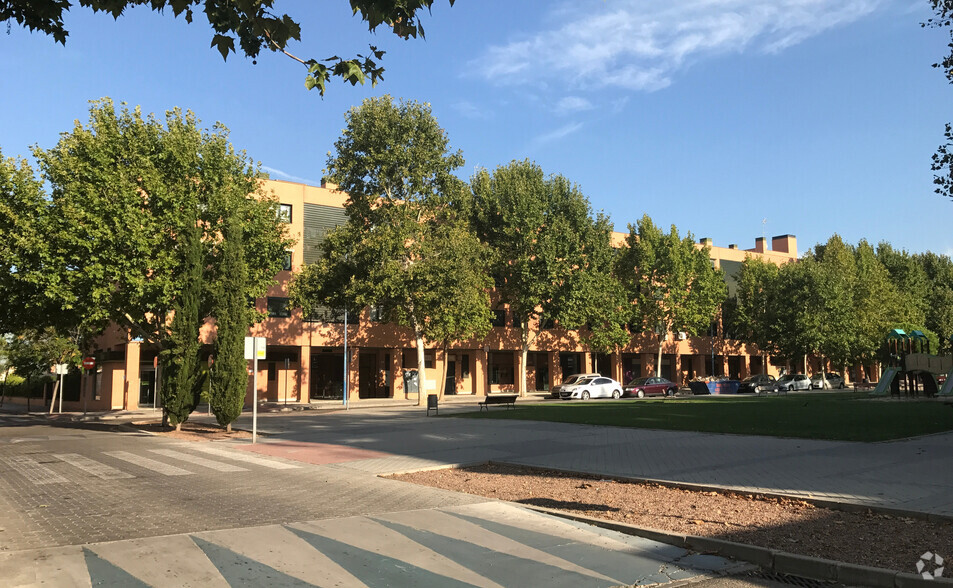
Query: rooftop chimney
(784, 244)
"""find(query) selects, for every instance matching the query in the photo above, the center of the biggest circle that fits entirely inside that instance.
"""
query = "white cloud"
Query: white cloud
(571, 104)
(468, 109)
(557, 134)
(640, 44)
(286, 176)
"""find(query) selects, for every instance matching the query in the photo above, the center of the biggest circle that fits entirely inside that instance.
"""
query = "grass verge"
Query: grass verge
(832, 416)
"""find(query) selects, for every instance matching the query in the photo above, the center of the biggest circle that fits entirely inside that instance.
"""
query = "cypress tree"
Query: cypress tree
(229, 376)
(182, 363)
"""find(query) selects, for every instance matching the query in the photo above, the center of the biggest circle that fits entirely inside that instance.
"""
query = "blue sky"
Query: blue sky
(819, 116)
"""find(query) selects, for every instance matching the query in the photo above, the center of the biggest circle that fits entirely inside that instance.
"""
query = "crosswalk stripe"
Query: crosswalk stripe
(34, 471)
(149, 464)
(201, 461)
(100, 470)
(241, 456)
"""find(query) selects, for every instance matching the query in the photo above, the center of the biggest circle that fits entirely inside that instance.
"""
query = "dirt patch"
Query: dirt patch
(191, 431)
(791, 525)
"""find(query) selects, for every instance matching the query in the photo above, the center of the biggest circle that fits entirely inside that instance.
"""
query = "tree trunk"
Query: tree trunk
(56, 387)
(658, 363)
(524, 354)
(421, 368)
(228, 428)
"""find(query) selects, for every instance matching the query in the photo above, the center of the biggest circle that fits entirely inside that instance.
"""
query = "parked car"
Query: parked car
(570, 381)
(758, 384)
(794, 382)
(833, 381)
(650, 386)
(591, 387)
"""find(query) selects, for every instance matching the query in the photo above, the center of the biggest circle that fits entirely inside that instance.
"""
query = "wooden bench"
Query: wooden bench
(505, 399)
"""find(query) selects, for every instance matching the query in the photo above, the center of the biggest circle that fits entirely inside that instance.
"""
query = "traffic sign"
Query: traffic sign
(89, 362)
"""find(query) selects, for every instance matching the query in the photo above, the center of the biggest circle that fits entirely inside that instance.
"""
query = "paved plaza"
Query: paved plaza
(307, 505)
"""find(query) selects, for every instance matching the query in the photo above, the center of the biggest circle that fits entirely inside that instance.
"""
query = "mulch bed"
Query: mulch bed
(787, 524)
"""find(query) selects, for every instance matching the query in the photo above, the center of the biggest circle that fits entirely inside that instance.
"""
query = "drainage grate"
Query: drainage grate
(789, 580)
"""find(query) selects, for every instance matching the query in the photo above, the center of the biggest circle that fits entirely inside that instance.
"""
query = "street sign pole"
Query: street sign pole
(61, 391)
(255, 349)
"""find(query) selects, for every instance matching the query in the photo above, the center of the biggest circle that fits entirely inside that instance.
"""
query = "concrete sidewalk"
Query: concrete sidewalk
(913, 474)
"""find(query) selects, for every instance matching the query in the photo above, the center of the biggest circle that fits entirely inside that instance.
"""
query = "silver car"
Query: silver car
(794, 382)
(591, 387)
(833, 381)
(570, 381)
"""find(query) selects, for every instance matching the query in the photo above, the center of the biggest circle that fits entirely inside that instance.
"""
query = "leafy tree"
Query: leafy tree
(669, 282)
(128, 195)
(229, 379)
(22, 248)
(33, 352)
(253, 24)
(939, 295)
(910, 280)
(183, 374)
(878, 305)
(753, 316)
(943, 158)
(552, 258)
(404, 247)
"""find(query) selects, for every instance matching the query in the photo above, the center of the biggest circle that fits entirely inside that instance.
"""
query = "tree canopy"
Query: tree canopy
(405, 248)
(552, 258)
(670, 283)
(132, 230)
(253, 24)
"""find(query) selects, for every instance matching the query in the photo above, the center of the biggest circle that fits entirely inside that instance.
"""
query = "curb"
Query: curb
(820, 502)
(771, 560)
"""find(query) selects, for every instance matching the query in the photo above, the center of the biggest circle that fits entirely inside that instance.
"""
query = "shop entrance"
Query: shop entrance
(542, 372)
(327, 376)
(370, 379)
(147, 386)
(450, 384)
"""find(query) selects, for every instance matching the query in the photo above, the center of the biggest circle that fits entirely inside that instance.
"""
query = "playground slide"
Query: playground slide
(947, 389)
(883, 386)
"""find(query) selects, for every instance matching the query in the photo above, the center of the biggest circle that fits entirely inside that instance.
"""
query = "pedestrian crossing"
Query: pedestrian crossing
(45, 468)
(490, 544)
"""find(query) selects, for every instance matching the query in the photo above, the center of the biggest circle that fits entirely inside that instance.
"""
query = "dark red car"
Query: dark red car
(650, 386)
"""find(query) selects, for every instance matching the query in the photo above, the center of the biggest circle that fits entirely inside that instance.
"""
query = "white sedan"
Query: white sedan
(594, 387)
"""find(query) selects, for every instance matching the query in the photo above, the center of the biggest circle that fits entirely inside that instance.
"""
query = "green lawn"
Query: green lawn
(836, 416)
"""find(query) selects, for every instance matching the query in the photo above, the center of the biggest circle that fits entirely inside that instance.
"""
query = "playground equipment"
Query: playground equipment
(910, 362)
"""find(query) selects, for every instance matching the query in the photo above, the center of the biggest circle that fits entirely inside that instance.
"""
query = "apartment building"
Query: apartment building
(305, 355)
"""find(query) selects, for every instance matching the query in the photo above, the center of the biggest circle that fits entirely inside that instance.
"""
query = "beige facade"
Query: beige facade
(305, 359)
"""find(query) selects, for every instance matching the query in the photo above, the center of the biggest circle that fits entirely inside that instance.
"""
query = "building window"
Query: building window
(279, 307)
(376, 314)
(428, 361)
(284, 213)
(324, 314)
(272, 371)
(286, 262)
(547, 323)
(499, 318)
(465, 365)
